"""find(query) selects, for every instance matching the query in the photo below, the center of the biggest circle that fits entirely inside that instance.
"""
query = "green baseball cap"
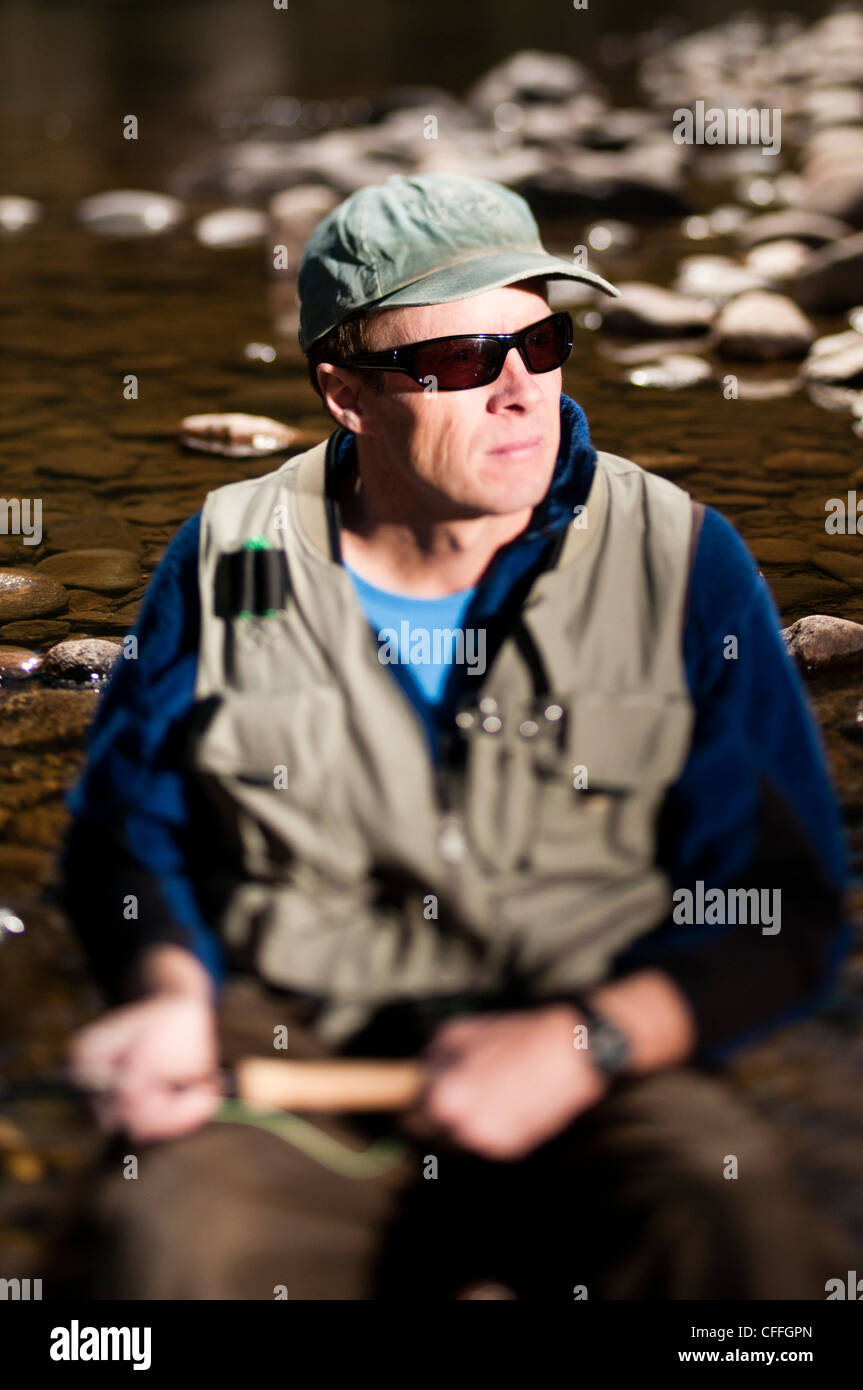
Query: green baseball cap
(427, 239)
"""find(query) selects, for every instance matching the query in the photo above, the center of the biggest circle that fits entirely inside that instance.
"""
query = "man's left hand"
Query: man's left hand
(502, 1084)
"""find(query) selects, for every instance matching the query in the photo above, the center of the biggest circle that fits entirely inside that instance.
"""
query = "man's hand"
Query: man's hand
(505, 1083)
(155, 1060)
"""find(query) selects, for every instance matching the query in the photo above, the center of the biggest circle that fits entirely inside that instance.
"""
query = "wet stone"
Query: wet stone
(17, 664)
(96, 531)
(671, 372)
(86, 661)
(820, 640)
(107, 571)
(26, 594)
(236, 435)
(39, 630)
(649, 310)
(17, 213)
(129, 212)
(231, 227)
(762, 326)
(36, 717)
(838, 363)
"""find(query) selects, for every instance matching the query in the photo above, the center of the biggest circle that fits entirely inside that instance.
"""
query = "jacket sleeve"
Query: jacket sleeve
(127, 881)
(753, 808)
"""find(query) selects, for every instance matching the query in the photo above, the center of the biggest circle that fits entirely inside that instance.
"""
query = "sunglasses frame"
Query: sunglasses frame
(402, 359)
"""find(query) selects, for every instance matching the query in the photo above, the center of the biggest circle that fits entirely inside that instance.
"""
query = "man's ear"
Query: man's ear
(340, 388)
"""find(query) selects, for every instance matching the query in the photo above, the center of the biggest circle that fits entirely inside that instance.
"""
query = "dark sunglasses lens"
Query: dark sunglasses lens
(549, 344)
(459, 363)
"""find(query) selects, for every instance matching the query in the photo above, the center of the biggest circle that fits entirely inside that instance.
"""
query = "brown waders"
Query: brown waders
(629, 1202)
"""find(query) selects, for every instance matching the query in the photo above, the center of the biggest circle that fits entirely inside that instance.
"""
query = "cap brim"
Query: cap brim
(490, 272)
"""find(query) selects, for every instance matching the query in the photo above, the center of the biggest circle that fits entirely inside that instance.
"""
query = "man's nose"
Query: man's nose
(516, 385)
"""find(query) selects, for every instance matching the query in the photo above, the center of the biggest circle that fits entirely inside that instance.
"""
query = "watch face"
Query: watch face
(609, 1046)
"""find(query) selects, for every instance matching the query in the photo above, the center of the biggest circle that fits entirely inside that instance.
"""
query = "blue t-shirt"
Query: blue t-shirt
(421, 638)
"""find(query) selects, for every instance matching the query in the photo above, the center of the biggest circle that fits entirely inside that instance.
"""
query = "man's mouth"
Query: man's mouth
(518, 449)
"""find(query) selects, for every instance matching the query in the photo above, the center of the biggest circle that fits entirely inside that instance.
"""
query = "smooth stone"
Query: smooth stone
(832, 277)
(231, 227)
(18, 213)
(821, 640)
(648, 310)
(803, 462)
(646, 180)
(774, 389)
(717, 278)
(90, 659)
(812, 228)
(88, 463)
(671, 372)
(828, 106)
(25, 594)
(257, 169)
(832, 178)
(93, 531)
(762, 326)
(18, 664)
(779, 550)
(529, 76)
(106, 570)
(130, 212)
(36, 717)
(726, 218)
(848, 568)
(297, 211)
(39, 630)
(236, 435)
(777, 260)
(840, 364)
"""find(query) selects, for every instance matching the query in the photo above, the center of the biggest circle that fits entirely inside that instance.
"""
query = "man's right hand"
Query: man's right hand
(155, 1060)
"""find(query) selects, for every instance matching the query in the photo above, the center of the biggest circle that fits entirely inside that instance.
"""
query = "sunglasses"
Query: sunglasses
(464, 360)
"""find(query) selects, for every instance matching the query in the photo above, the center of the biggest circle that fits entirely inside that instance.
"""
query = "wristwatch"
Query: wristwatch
(610, 1049)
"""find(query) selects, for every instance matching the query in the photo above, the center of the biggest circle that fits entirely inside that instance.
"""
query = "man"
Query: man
(382, 840)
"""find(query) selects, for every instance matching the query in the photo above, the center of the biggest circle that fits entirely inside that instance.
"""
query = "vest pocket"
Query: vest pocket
(576, 793)
(279, 758)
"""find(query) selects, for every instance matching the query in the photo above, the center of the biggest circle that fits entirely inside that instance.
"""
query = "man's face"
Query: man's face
(487, 450)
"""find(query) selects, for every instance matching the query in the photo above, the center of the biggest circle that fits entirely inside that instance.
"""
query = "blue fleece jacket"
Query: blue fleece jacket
(753, 806)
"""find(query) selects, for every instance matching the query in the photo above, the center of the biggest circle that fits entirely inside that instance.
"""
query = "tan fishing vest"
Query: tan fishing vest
(364, 874)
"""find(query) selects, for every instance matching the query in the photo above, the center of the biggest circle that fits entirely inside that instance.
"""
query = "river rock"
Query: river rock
(812, 228)
(38, 718)
(530, 76)
(671, 372)
(107, 571)
(88, 660)
(832, 177)
(820, 640)
(832, 277)
(94, 530)
(39, 630)
(645, 180)
(18, 213)
(236, 435)
(777, 260)
(836, 360)
(26, 594)
(231, 227)
(716, 278)
(650, 311)
(761, 326)
(129, 212)
(17, 664)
